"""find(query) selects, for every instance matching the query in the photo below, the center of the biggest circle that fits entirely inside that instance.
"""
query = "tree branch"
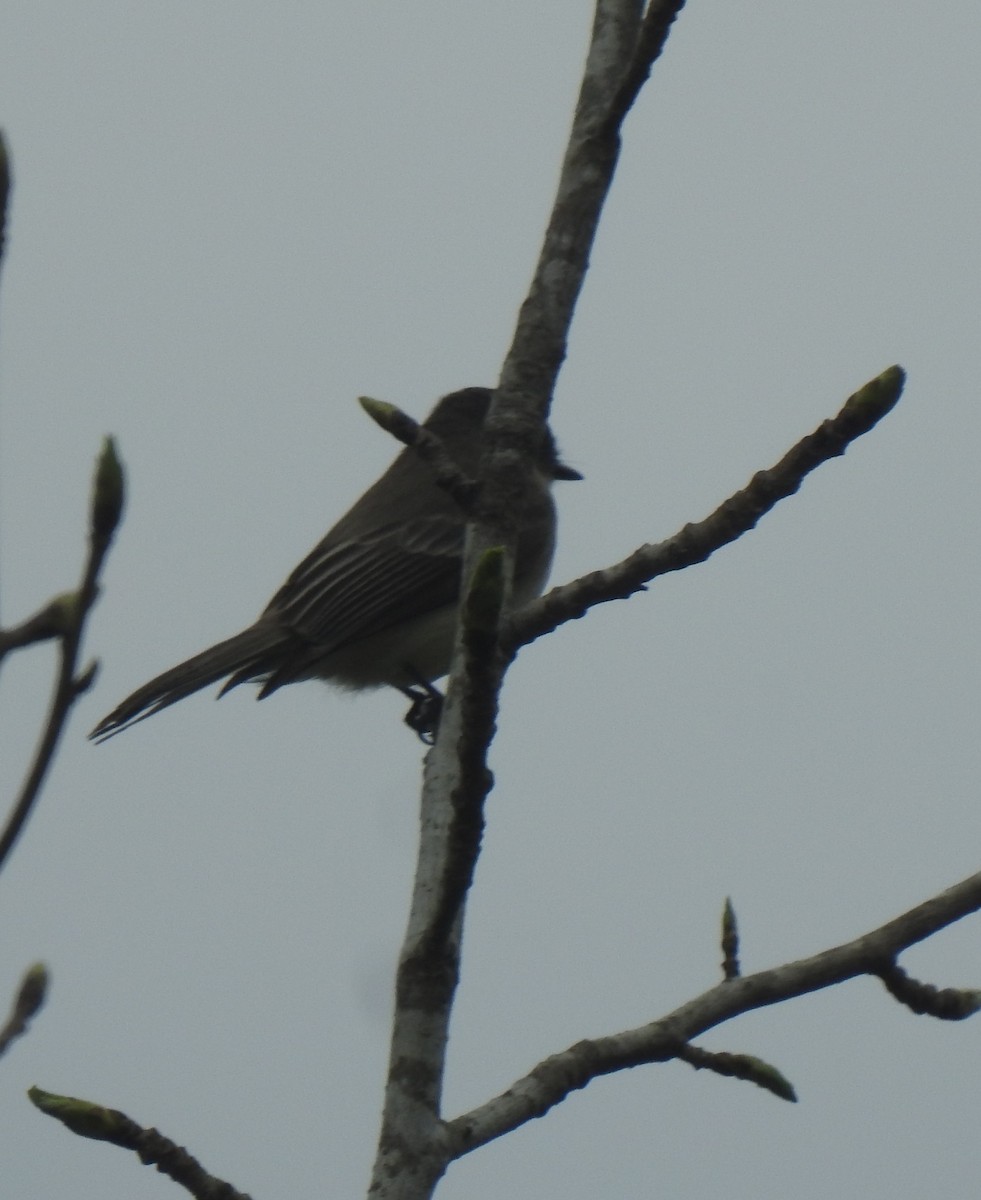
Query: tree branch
(734, 517)
(656, 26)
(412, 1153)
(405, 429)
(52, 620)
(110, 1125)
(553, 1079)
(105, 512)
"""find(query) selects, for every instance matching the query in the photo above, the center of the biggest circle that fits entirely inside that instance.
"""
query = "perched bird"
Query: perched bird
(375, 601)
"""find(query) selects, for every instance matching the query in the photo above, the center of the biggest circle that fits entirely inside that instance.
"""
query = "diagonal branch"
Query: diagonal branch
(102, 1124)
(553, 1079)
(734, 517)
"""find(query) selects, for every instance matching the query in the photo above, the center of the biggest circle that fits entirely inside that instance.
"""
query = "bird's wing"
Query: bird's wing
(345, 591)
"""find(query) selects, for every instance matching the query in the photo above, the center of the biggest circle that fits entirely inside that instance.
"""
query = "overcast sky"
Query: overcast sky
(230, 220)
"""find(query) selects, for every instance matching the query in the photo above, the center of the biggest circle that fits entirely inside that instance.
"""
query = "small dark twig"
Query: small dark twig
(4, 192)
(430, 448)
(947, 1004)
(739, 1066)
(110, 1125)
(105, 512)
(27, 1003)
(730, 942)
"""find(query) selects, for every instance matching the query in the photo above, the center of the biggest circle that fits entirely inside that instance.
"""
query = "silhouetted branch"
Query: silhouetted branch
(552, 1080)
(405, 429)
(411, 1153)
(51, 621)
(71, 611)
(734, 517)
(654, 30)
(110, 1125)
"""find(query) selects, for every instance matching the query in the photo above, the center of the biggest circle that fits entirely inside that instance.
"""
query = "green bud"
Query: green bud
(878, 395)
(80, 1116)
(33, 988)
(108, 491)
(392, 419)
(379, 411)
(765, 1075)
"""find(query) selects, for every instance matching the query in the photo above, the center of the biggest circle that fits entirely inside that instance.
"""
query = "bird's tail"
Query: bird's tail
(249, 654)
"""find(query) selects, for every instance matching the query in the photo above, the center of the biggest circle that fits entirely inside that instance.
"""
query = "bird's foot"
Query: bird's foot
(425, 709)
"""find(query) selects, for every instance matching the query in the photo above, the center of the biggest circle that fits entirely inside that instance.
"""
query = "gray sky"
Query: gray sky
(229, 221)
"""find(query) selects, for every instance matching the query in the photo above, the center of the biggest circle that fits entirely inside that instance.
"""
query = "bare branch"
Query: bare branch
(656, 26)
(105, 512)
(110, 1125)
(480, 618)
(428, 446)
(540, 337)
(412, 1154)
(555, 1078)
(734, 517)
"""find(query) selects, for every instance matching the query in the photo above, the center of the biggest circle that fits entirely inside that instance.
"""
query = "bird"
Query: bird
(375, 602)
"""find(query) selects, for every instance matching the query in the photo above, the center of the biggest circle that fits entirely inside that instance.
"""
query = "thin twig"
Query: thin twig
(53, 620)
(555, 1078)
(4, 192)
(734, 517)
(446, 472)
(739, 1066)
(926, 999)
(102, 1124)
(106, 509)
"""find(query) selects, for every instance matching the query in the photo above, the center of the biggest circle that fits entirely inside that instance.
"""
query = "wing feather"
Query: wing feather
(345, 591)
